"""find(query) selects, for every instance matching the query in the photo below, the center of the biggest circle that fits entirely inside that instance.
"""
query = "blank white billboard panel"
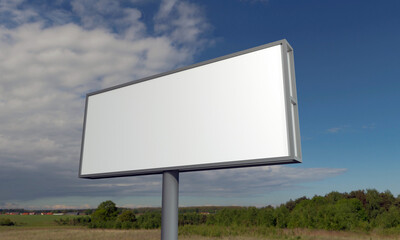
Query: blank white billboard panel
(233, 111)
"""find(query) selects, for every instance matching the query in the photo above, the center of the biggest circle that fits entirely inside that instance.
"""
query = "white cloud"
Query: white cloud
(252, 181)
(334, 129)
(135, 206)
(109, 14)
(60, 207)
(48, 66)
(45, 73)
(183, 23)
(12, 12)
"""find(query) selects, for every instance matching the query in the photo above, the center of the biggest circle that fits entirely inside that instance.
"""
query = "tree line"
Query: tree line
(357, 210)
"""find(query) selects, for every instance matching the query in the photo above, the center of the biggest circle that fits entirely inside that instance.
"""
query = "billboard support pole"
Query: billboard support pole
(169, 215)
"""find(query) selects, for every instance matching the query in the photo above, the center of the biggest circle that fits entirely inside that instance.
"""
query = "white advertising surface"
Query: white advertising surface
(239, 110)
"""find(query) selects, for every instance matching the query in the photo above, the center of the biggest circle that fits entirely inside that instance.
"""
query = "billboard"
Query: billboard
(234, 111)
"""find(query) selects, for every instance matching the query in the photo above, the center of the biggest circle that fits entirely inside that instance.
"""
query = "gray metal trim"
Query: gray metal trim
(83, 136)
(292, 121)
(285, 73)
(296, 105)
(283, 41)
(200, 167)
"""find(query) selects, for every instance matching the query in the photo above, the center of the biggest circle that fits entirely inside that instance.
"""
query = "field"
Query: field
(67, 233)
(44, 227)
(35, 220)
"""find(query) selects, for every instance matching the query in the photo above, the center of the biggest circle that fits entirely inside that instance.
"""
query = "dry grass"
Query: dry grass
(62, 233)
(91, 234)
(76, 234)
(308, 234)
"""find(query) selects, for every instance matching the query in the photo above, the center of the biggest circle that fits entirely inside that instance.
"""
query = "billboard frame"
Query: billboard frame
(292, 120)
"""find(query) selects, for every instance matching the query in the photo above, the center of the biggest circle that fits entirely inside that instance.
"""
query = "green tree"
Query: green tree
(281, 217)
(149, 220)
(223, 217)
(106, 211)
(397, 201)
(360, 195)
(389, 219)
(248, 216)
(334, 196)
(125, 220)
(290, 205)
(349, 215)
(373, 204)
(127, 216)
(326, 213)
(308, 213)
(191, 218)
(265, 217)
(387, 200)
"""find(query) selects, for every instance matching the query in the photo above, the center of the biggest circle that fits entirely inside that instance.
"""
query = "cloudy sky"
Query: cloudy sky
(54, 52)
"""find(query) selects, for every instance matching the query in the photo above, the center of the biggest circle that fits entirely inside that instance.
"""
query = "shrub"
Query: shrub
(127, 216)
(281, 217)
(389, 219)
(149, 220)
(6, 222)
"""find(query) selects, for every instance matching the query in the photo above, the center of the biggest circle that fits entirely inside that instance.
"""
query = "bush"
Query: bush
(281, 217)
(191, 218)
(357, 210)
(102, 224)
(75, 221)
(149, 220)
(125, 220)
(320, 213)
(6, 222)
(127, 216)
(265, 217)
(389, 219)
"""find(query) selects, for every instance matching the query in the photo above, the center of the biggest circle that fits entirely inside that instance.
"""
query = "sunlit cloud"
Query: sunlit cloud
(50, 57)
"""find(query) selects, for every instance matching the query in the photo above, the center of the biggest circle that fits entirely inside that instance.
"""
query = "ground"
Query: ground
(67, 233)
(44, 228)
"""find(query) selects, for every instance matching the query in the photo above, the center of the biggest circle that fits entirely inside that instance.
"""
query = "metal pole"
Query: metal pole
(169, 215)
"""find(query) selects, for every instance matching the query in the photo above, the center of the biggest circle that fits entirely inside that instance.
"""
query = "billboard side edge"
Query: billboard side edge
(296, 120)
(83, 136)
(291, 102)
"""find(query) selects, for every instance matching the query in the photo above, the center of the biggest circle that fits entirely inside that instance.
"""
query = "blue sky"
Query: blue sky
(53, 52)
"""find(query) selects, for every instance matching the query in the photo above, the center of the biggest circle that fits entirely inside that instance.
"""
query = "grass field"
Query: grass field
(44, 227)
(276, 233)
(62, 233)
(35, 220)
